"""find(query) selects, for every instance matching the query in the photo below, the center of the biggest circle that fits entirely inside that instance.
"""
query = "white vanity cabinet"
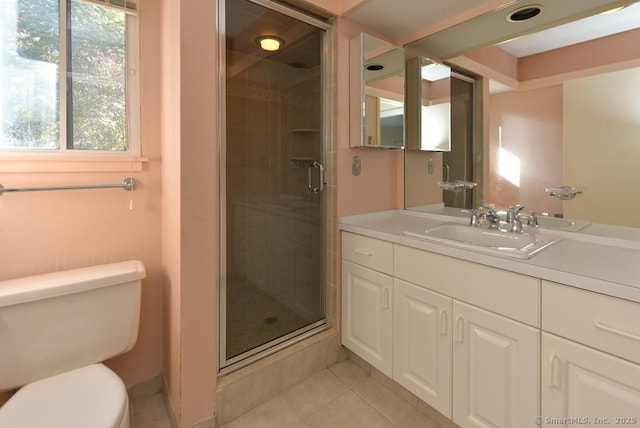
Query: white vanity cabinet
(474, 366)
(601, 385)
(422, 334)
(495, 370)
(589, 385)
(491, 341)
(367, 299)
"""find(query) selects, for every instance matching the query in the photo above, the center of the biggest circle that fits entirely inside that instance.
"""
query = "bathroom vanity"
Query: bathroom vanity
(495, 340)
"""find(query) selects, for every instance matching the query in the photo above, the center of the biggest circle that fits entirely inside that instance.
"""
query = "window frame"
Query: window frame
(132, 94)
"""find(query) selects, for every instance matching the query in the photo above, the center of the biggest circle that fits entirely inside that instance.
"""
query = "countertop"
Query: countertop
(601, 264)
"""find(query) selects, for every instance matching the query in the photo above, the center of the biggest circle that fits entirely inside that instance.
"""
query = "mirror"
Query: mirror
(428, 96)
(569, 116)
(376, 74)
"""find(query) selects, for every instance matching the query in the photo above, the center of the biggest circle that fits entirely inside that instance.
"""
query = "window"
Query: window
(68, 76)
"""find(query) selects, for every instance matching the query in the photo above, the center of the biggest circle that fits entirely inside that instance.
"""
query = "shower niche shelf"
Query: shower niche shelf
(305, 131)
(302, 161)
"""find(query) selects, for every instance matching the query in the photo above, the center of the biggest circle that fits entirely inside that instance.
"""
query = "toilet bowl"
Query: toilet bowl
(91, 396)
(56, 329)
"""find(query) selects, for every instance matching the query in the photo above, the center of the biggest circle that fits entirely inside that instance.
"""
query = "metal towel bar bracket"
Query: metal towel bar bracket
(126, 184)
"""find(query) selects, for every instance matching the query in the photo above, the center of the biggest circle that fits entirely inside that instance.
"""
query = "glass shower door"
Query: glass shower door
(273, 286)
(459, 162)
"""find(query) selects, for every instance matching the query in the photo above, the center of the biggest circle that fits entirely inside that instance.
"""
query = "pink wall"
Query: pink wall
(497, 60)
(615, 49)
(170, 201)
(50, 231)
(190, 206)
(615, 52)
(199, 209)
(377, 186)
(531, 124)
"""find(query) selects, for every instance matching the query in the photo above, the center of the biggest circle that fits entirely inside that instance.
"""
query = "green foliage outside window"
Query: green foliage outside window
(95, 76)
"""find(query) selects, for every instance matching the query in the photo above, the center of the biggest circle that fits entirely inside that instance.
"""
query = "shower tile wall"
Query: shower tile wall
(273, 220)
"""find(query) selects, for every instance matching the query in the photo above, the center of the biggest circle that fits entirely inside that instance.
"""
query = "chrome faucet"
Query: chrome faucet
(514, 220)
(513, 212)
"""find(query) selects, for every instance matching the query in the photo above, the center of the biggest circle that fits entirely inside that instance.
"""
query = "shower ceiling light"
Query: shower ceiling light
(270, 43)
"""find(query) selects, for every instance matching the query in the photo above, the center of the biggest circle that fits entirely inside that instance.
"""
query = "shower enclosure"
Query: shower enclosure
(273, 272)
(463, 161)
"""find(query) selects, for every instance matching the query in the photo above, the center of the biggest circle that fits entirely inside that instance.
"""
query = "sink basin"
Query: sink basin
(518, 245)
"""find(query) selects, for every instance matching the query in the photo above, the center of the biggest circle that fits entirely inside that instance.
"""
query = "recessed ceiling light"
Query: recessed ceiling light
(270, 43)
(524, 13)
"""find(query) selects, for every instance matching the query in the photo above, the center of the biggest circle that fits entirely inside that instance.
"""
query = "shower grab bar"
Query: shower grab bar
(127, 184)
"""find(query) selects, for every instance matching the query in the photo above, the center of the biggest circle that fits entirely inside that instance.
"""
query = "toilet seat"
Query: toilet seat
(91, 396)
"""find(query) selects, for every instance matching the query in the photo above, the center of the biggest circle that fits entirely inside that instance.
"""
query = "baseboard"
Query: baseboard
(168, 405)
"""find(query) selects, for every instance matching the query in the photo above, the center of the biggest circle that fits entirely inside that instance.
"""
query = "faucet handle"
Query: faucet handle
(532, 220)
(474, 220)
(516, 225)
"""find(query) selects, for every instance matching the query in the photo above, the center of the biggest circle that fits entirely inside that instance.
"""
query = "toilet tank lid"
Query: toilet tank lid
(37, 287)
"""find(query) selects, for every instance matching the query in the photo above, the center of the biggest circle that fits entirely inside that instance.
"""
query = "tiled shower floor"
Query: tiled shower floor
(254, 318)
(341, 396)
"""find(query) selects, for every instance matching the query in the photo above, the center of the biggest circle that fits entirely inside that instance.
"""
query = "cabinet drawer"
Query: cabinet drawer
(603, 322)
(510, 294)
(370, 252)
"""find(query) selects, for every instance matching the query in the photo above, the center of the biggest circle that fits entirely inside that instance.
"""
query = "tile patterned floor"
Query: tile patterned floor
(340, 396)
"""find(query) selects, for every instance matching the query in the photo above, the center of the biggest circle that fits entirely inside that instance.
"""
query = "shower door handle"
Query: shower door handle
(446, 169)
(320, 188)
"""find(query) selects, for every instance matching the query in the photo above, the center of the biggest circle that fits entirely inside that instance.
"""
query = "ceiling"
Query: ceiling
(575, 32)
(402, 18)
(245, 21)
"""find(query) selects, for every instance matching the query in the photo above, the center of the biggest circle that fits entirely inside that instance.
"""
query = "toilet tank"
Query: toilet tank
(60, 321)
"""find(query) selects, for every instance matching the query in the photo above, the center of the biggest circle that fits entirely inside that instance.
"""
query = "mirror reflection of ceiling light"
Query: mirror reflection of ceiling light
(270, 43)
(433, 72)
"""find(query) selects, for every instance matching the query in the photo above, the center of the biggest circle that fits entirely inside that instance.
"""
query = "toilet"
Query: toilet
(55, 329)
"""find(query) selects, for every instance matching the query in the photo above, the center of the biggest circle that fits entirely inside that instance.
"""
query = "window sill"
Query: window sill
(19, 164)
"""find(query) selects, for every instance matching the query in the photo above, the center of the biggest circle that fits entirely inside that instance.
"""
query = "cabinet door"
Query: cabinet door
(588, 385)
(422, 344)
(495, 370)
(367, 302)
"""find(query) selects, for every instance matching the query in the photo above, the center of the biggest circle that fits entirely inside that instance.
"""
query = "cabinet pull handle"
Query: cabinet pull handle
(444, 328)
(363, 252)
(459, 330)
(385, 298)
(614, 330)
(554, 372)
